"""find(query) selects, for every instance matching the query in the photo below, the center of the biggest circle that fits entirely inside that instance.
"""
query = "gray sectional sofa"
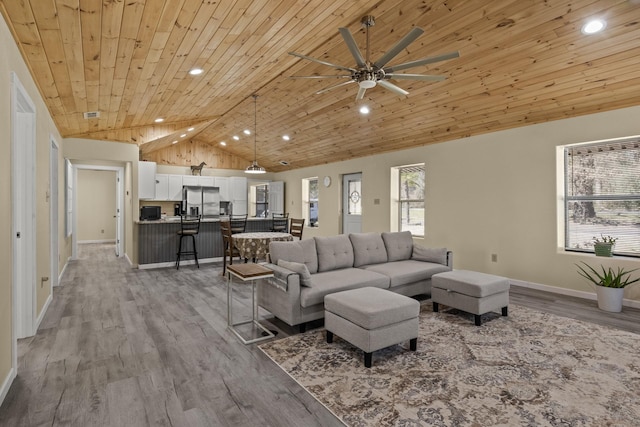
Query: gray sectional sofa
(307, 270)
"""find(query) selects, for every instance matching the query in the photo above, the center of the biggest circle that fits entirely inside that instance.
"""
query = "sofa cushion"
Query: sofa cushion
(399, 245)
(328, 282)
(437, 255)
(407, 271)
(368, 248)
(334, 252)
(303, 251)
(300, 268)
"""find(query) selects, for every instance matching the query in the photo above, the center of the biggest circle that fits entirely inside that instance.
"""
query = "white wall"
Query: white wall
(493, 193)
(96, 195)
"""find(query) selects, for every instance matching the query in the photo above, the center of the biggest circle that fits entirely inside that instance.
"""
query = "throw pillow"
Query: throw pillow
(420, 253)
(301, 269)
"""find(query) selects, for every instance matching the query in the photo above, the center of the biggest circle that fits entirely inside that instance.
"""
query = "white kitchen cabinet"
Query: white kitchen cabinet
(175, 188)
(239, 207)
(276, 197)
(238, 185)
(146, 180)
(162, 186)
(207, 181)
(222, 182)
(190, 180)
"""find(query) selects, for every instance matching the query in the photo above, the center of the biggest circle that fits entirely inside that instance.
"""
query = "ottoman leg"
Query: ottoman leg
(413, 344)
(505, 311)
(367, 359)
(435, 307)
(329, 337)
(478, 319)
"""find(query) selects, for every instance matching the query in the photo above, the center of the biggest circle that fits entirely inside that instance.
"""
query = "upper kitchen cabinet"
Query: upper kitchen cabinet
(162, 186)
(146, 180)
(222, 182)
(175, 188)
(190, 180)
(207, 181)
(239, 196)
(276, 197)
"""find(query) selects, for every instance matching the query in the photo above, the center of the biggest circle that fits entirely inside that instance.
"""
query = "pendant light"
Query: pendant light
(254, 167)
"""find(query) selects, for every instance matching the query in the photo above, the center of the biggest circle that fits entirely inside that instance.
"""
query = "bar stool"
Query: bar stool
(280, 222)
(189, 227)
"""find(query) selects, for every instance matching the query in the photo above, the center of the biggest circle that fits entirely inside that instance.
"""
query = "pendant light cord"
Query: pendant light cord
(255, 128)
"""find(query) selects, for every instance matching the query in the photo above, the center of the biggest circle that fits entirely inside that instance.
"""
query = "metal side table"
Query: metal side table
(247, 273)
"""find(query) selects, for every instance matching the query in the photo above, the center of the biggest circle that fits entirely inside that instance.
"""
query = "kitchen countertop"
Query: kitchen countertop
(176, 219)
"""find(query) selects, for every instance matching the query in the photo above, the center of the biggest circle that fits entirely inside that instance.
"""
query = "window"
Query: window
(602, 195)
(310, 200)
(259, 197)
(410, 181)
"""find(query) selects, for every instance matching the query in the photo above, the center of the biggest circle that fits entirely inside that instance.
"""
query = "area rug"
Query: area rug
(527, 369)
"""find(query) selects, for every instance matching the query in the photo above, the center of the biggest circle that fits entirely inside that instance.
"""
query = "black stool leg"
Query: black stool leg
(478, 319)
(179, 251)
(329, 337)
(195, 251)
(505, 311)
(413, 344)
(435, 307)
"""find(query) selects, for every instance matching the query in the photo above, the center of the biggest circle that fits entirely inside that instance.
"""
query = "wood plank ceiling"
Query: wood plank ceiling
(521, 62)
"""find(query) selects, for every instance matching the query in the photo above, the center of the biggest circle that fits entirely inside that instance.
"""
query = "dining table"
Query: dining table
(255, 245)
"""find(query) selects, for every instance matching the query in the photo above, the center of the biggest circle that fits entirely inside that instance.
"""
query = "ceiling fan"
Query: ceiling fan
(368, 74)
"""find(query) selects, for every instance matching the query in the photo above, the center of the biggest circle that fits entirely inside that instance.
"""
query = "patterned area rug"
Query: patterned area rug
(528, 369)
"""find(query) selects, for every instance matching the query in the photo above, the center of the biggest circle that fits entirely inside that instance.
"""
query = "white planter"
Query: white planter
(610, 299)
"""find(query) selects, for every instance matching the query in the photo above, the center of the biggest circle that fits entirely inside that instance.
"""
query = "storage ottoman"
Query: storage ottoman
(371, 319)
(470, 291)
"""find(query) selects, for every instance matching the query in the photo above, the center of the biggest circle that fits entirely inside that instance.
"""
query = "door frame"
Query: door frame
(119, 206)
(54, 191)
(23, 216)
(345, 205)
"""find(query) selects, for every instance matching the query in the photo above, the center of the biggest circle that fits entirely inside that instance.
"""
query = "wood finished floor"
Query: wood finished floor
(127, 347)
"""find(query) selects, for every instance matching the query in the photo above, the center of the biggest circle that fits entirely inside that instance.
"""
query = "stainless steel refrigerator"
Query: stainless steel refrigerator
(199, 200)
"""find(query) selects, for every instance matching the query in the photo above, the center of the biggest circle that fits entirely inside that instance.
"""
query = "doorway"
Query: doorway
(352, 203)
(23, 144)
(53, 211)
(119, 218)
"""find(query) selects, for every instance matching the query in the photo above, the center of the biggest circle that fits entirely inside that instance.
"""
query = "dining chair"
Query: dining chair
(280, 222)
(238, 223)
(297, 225)
(227, 242)
(189, 227)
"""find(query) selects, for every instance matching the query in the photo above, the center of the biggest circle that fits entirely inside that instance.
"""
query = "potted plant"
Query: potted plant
(609, 283)
(603, 245)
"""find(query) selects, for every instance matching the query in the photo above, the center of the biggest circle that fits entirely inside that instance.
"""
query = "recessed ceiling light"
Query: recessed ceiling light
(159, 120)
(223, 143)
(183, 135)
(196, 71)
(190, 129)
(236, 137)
(247, 132)
(364, 110)
(286, 137)
(593, 26)
(174, 142)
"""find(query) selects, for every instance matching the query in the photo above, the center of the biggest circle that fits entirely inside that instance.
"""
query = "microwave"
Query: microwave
(149, 213)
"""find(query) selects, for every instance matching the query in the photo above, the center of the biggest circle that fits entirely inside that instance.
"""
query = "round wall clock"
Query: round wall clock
(327, 181)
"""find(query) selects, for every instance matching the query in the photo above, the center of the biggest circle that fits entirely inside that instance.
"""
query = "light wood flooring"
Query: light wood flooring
(126, 347)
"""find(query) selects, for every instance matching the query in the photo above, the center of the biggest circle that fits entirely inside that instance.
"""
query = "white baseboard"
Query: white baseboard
(80, 242)
(64, 268)
(7, 384)
(570, 292)
(126, 256)
(43, 312)
(173, 263)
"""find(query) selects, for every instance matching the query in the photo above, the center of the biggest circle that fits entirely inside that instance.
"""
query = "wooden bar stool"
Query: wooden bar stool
(189, 227)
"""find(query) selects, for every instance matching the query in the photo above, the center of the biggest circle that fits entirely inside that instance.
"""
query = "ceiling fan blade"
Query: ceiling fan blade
(353, 47)
(327, 89)
(425, 61)
(403, 43)
(393, 88)
(320, 77)
(319, 61)
(360, 94)
(423, 77)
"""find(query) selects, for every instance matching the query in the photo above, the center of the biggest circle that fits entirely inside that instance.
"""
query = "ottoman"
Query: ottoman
(470, 291)
(371, 319)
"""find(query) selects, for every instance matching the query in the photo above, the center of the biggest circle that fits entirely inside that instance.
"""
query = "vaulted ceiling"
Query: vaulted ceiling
(521, 62)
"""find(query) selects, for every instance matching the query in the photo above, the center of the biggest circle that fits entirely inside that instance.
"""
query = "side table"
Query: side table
(247, 273)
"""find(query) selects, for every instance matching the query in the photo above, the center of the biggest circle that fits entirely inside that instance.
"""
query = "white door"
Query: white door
(276, 197)
(352, 203)
(119, 207)
(53, 211)
(23, 206)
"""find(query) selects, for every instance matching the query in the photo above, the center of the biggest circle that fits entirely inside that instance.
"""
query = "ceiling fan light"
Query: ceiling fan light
(367, 84)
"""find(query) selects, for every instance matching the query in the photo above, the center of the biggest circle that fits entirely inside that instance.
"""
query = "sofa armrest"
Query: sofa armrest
(283, 278)
(450, 259)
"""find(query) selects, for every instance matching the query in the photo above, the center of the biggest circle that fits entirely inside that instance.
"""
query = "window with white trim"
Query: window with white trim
(410, 191)
(602, 195)
(310, 198)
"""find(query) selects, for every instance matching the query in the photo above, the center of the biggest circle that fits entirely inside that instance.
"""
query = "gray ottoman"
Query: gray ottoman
(470, 291)
(371, 319)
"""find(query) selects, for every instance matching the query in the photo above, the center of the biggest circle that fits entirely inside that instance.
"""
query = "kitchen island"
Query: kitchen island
(158, 240)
